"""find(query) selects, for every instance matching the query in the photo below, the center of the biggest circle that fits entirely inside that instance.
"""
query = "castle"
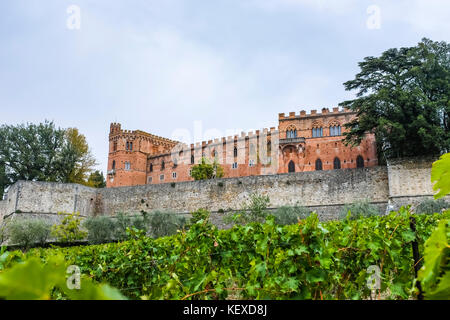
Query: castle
(302, 142)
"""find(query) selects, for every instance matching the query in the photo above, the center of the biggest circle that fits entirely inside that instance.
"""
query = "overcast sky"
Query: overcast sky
(162, 65)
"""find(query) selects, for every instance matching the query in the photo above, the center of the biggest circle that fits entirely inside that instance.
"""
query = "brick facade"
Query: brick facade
(302, 142)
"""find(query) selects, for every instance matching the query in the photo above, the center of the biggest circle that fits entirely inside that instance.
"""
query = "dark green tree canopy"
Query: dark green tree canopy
(42, 152)
(97, 179)
(403, 98)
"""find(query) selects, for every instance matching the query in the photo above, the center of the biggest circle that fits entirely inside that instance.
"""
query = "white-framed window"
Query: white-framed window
(127, 165)
(149, 180)
(174, 175)
(251, 163)
(161, 177)
(234, 165)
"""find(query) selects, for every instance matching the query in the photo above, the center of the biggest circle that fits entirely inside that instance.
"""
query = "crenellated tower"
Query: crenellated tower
(128, 151)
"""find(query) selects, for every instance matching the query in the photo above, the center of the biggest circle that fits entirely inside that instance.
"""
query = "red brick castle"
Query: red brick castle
(302, 142)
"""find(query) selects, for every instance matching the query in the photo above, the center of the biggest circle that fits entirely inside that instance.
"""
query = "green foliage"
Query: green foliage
(28, 232)
(253, 210)
(307, 260)
(440, 173)
(403, 98)
(430, 206)
(69, 229)
(100, 229)
(165, 223)
(123, 222)
(358, 209)
(43, 153)
(205, 170)
(290, 215)
(435, 273)
(96, 179)
(33, 280)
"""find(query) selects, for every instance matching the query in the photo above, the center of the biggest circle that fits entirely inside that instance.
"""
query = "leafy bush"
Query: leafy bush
(28, 232)
(33, 280)
(430, 206)
(100, 229)
(290, 215)
(435, 274)
(308, 260)
(206, 170)
(69, 229)
(253, 210)
(358, 209)
(165, 223)
(123, 222)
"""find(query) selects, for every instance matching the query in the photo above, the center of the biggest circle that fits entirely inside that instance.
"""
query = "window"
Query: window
(235, 152)
(291, 133)
(190, 172)
(251, 163)
(317, 132)
(335, 131)
(291, 166)
(192, 159)
(234, 165)
(174, 175)
(163, 165)
(318, 164)
(337, 163)
(149, 180)
(151, 167)
(359, 162)
(161, 177)
(129, 146)
(115, 146)
(114, 165)
(127, 166)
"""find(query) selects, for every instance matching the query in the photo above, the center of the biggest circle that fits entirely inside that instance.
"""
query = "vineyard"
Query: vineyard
(308, 260)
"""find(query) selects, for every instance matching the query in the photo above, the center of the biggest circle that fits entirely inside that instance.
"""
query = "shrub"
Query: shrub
(430, 206)
(206, 170)
(100, 229)
(28, 232)
(253, 210)
(290, 215)
(165, 223)
(357, 209)
(124, 221)
(69, 229)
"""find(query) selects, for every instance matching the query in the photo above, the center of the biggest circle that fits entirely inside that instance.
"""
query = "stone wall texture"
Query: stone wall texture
(401, 182)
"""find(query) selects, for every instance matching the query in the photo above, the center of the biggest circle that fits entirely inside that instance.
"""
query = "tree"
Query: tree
(43, 152)
(403, 98)
(97, 180)
(205, 170)
(75, 161)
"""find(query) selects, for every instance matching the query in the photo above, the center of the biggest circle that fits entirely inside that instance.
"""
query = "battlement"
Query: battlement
(313, 113)
(115, 129)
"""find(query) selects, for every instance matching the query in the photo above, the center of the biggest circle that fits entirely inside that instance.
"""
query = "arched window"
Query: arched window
(128, 145)
(335, 130)
(192, 159)
(151, 167)
(291, 166)
(359, 162)
(131, 146)
(163, 165)
(318, 164)
(235, 152)
(114, 165)
(317, 132)
(292, 133)
(337, 163)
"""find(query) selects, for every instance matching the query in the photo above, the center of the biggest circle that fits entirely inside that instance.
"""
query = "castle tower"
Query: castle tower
(127, 157)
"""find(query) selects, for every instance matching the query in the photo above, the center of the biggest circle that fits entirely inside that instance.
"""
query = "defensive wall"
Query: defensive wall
(401, 182)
